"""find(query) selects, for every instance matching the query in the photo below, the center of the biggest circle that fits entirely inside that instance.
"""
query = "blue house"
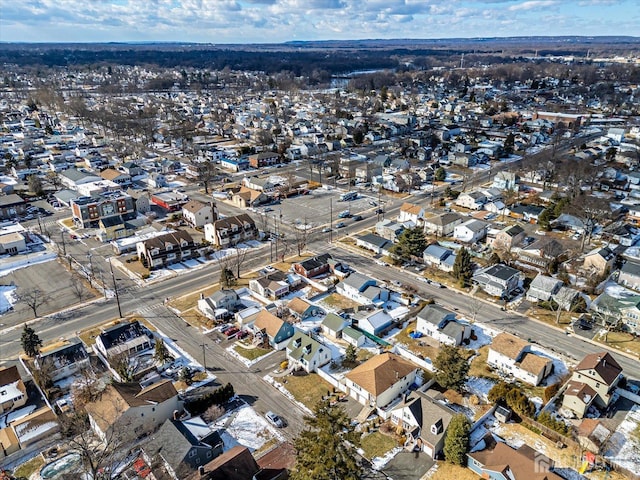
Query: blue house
(278, 331)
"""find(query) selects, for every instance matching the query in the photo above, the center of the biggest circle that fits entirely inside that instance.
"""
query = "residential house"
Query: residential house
(375, 322)
(230, 231)
(498, 461)
(302, 310)
(528, 213)
(73, 178)
(236, 463)
(541, 254)
(273, 285)
(9, 442)
(471, 200)
(629, 275)
(508, 237)
(471, 231)
(442, 225)
(11, 206)
(498, 280)
(389, 229)
(132, 168)
(442, 325)
(439, 257)
(618, 311)
(353, 337)
(425, 422)
(305, 353)
(181, 451)
(247, 197)
(593, 383)
(593, 435)
(219, 304)
(166, 249)
(130, 409)
(66, 360)
(333, 325)
(121, 178)
(37, 426)
(264, 185)
(13, 393)
(373, 242)
(157, 180)
(127, 337)
(410, 212)
(513, 356)
(197, 214)
(506, 181)
(543, 288)
(354, 286)
(599, 261)
(141, 200)
(264, 159)
(314, 266)
(277, 331)
(380, 380)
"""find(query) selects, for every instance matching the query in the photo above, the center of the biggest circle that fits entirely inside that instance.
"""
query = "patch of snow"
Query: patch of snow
(25, 433)
(7, 297)
(538, 402)
(623, 446)
(6, 420)
(480, 387)
(559, 366)
(244, 360)
(26, 260)
(484, 335)
(247, 428)
(378, 463)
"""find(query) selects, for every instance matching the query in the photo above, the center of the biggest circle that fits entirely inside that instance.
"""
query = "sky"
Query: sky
(275, 21)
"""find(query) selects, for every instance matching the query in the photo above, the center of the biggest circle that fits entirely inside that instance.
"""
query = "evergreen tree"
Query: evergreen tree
(544, 220)
(451, 368)
(456, 443)
(227, 279)
(411, 243)
(462, 267)
(31, 342)
(509, 144)
(161, 354)
(350, 355)
(440, 174)
(322, 449)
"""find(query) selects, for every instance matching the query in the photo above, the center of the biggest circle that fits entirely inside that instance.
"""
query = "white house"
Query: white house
(471, 200)
(513, 356)
(354, 286)
(306, 353)
(543, 288)
(198, 214)
(471, 231)
(442, 325)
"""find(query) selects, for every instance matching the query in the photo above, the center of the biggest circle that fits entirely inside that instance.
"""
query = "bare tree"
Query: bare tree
(301, 235)
(591, 211)
(475, 305)
(121, 363)
(33, 298)
(77, 285)
(238, 259)
(609, 319)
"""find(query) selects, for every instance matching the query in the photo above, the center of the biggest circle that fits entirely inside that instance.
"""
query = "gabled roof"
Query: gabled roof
(508, 345)
(501, 271)
(111, 174)
(298, 305)
(434, 313)
(583, 391)
(427, 412)
(193, 206)
(444, 219)
(302, 346)
(379, 373)
(411, 208)
(357, 281)
(532, 363)
(315, 262)
(373, 239)
(544, 283)
(9, 375)
(631, 268)
(173, 238)
(268, 322)
(121, 333)
(603, 364)
(334, 322)
(474, 225)
(436, 251)
(234, 464)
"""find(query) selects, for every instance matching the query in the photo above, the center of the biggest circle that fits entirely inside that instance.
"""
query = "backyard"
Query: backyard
(377, 444)
(307, 389)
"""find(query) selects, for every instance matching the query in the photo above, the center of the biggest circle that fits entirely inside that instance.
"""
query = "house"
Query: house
(425, 422)
(236, 463)
(112, 228)
(277, 463)
(593, 382)
(197, 214)
(277, 331)
(541, 254)
(176, 448)
(12, 243)
(354, 286)
(389, 229)
(128, 338)
(543, 288)
(132, 168)
(73, 178)
(66, 360)
(599, 261)
(471, 231)
(272, 286)
(163, 250)
(305, 353)
(498, 280)
(314, 266)
(471, 200)
(264, 159)
(37, 426)
(157, 180)
(498, 461)
(442, 225)
(302, 310)
(113, 175)
(592, 435)
(333, 325)
(410, 212)
(376, 322)
(529, 213)
(247, 197)
(219, 304)
(619, 309)
(141, 200)
(506, 181)
(13, 393)
(230, 231)
(629, 275)
(513, 356)
(436, 256)
(442, 325)
(9, 442)
(130, 409)
(373, 242)
(380, 380)
(12, 206)
(353, 336)
(508, 237)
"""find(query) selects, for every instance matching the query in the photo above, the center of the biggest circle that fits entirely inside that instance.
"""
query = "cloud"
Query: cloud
(532, 4)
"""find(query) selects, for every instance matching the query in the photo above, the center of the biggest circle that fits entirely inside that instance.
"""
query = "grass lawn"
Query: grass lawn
(29, 468)
(134, 266)
(447, 471)
(479, 367)
(377, 444)
(622, 341)
(414, 344)
(196, 319)
(549, 317)
(338, 302)
(251, 353)
(307, 389)
(189, 301)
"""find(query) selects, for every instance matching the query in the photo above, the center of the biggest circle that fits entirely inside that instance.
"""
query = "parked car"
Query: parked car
(341, 225)
(226, 327)
(357, 218)
(242, 334)
(275, 420)
(231, 331)
(326, 229)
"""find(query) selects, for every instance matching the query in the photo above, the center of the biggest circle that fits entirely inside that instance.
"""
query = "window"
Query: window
(192, 453)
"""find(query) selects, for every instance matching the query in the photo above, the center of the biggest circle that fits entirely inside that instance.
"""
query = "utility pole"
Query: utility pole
(115, 288)
(40, 225)
(90, 269)
(275, 222)
(330, 220)
(204, 356)
(64, 246)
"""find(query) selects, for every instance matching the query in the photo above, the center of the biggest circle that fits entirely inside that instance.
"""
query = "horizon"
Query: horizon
(243, 22)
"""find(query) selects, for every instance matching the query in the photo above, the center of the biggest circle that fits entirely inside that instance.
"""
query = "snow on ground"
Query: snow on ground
(27, 434)
(617, 291)
(559, 367)
(623, 446)
(231, 350)
(26, 260)
(378, 463)
(484, 336)
(5, 420)
(192, 263)
(538, 402)
(247, 428)
(480, 387)
(7, 297)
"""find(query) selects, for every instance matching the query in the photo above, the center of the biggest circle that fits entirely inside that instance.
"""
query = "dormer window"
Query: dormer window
(437, 428)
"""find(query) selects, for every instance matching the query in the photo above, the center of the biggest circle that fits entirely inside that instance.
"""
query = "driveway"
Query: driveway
(408, 466)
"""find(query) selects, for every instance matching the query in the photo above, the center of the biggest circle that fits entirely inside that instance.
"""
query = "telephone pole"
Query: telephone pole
(115, 288)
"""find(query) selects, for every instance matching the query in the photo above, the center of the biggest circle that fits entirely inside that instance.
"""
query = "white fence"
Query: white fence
(422, 362)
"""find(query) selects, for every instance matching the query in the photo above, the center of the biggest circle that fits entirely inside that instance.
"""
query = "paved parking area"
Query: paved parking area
(408, 465)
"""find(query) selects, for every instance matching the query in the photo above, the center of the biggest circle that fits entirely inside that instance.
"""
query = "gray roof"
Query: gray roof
(544, 283)
(435, 314)
(356, 280)
(333, 322)
(436, 251)
(352, 333)
(475, 225)
(374, 240)
(428, 412)
(12, 199)
(297, 346)
(444, 219)
(501, 271)
(631, 268)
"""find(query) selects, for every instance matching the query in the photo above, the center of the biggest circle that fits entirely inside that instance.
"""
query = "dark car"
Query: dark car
(231, 331)
(357, 218)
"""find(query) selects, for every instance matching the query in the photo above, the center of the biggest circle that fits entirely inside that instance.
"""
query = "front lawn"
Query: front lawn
(307, 389)
(251, 353)
(622, 341)
(338, 302)
(377, 444)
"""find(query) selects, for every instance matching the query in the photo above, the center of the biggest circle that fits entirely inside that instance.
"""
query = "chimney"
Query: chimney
(201, 470)
(176, 415)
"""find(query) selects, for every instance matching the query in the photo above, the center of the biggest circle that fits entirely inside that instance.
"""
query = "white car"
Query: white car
(276, 420)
